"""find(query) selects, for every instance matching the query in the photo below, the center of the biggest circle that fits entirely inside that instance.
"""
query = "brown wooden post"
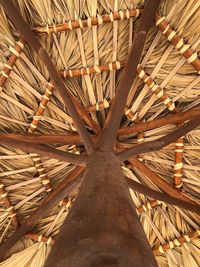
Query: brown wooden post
(102, 228)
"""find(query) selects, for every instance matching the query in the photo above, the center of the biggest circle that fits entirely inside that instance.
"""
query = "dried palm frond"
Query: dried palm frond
(90, 59)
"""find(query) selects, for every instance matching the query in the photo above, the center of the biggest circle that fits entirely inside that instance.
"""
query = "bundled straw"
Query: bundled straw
(89, 42)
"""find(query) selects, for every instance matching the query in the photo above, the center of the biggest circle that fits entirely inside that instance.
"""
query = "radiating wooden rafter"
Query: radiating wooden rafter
(101, 147)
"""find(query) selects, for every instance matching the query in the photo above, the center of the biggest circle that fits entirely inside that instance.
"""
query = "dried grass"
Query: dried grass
(98, 45)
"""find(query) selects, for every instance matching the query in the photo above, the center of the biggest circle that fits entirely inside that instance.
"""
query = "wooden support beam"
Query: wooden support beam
(44, 102)
(53, 199)
(102, 227)
(178, 42)
(177, 242)
(162, 196)
(159, 143)
(158, 181)
(8, 66)
(44, 151)
(44, 138)
(92, 21)
(107, 139)
(25, 30)
(170, 119)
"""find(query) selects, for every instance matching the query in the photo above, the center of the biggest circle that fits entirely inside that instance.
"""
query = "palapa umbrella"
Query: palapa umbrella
(99, 133)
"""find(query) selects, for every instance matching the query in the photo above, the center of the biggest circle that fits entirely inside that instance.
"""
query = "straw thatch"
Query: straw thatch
(99, 52)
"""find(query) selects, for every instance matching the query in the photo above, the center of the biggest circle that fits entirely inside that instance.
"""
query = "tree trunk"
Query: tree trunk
(102, 228)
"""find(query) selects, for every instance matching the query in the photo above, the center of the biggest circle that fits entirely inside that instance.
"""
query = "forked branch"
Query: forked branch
(159, 143)
(170, 119)
(75, 138)
(107, 139)
(25, 30)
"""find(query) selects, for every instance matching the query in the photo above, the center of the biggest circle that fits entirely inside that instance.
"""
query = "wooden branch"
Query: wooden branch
(158, 181)
(44, 102)
(177, 242)
(101, 105)
(162, 197)
(24, 28)
(156, 89)
(93, 70)
(178, 42)
(32, 127)
(53, 199)
(92, 21)
(102, 227)
(161, 142)
(149, 125)
(85, 115)
(41, 108)
(107, 138)
(58, 83)
(15, 53)
(67, 203)
(156, 250)
(45, 151)
(44, 138)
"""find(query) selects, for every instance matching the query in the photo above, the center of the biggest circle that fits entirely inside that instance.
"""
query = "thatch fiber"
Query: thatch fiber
(88, 41)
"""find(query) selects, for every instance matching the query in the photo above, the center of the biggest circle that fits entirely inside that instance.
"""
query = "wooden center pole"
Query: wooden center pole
(102, 228)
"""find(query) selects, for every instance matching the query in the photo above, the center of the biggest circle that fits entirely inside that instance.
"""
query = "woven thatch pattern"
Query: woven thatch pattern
(90, 59)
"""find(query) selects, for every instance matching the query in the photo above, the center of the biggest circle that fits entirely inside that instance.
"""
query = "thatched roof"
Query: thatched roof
(88, 41)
